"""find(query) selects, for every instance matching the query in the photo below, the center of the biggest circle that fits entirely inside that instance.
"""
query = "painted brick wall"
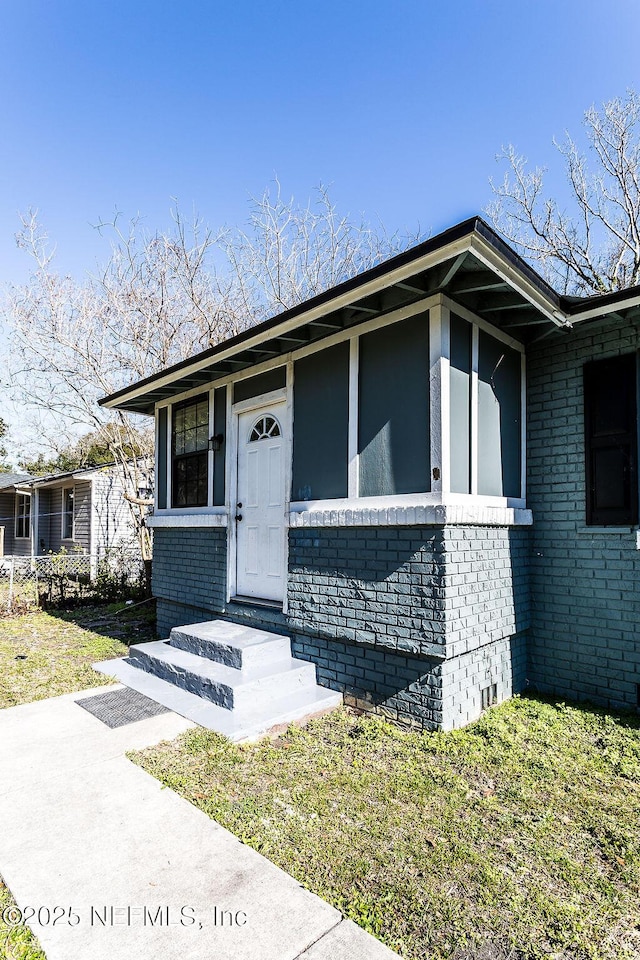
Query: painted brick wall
(486, 585)
(408, 689)
(414, 622)
(585, 580)
(381, 586)
(189, 569)
(501, 662)
(430, 591)
(369, 605)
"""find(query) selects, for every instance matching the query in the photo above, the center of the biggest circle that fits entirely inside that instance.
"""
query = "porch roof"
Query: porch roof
(469, 262)
(51, 479)
(13, 479)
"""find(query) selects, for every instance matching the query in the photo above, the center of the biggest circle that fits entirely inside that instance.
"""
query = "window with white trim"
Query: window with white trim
(23, 516)
(190, 453)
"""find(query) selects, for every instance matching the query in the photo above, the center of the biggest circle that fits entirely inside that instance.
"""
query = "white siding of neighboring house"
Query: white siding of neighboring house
(112, 520)
(102, 517)
(50, 518)
(81, 516)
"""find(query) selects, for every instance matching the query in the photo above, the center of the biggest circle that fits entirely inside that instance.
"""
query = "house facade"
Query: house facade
(82, 511)
(426, 477)
(15, 514)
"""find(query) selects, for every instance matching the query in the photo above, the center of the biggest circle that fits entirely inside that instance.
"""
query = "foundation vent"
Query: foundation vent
(489, 696)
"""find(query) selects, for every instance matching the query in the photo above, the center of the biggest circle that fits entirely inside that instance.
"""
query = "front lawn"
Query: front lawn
(518, 837)
(48, 654)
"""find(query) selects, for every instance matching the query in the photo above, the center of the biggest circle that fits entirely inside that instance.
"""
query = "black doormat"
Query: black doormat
(116, 708)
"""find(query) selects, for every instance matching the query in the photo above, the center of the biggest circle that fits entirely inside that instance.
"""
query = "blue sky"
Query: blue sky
(401, 106)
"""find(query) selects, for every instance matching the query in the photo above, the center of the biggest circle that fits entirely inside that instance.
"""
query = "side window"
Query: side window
(68, 500)
(189, 453)
(611, 441)
(23, 516)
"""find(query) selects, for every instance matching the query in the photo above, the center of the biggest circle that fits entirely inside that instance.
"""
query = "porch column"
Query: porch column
(35, 526)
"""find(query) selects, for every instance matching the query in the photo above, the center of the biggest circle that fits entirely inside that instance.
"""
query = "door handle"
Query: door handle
(238, 516)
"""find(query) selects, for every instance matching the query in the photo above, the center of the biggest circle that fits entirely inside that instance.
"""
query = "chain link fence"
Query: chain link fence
(59, 578)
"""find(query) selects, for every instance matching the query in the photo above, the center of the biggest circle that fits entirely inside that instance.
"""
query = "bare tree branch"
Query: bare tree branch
(160, 298)
(594, 245)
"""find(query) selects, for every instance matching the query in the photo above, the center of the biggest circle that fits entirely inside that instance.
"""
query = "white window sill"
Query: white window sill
(187, 520)
(374, 512)
(409, 515)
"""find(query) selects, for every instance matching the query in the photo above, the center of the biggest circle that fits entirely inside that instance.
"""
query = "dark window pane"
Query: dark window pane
(611, 476)
(610, 409)
(190, 443)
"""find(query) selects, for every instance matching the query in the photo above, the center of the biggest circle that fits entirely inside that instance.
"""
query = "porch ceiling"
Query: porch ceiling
(463, 278)
(470, 262)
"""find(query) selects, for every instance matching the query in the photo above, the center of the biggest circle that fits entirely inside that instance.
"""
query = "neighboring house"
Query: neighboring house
(82, 511)
(10, 503)
(426, 477)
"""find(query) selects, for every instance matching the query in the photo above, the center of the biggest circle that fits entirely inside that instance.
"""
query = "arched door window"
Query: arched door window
(265, 428)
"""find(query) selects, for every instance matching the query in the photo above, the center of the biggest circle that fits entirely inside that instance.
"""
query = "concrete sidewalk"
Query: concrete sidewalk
(119, 867)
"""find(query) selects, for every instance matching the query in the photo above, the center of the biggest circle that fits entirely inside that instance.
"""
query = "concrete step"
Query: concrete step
(241, 647)
(237, 726)
(223, 685)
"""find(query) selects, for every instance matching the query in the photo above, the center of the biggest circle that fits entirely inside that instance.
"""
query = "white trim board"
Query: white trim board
(187, 520)
(594, 312)
(413, 516)
(353, 296)
(486, 254)
(260, 400)
(359, 329)
(359, 513)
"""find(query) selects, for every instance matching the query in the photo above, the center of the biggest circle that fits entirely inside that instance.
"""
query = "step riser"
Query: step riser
(219, 694)
(240, 659)
(252, 695)
(229, 656)
(239, 680)
(237, 727)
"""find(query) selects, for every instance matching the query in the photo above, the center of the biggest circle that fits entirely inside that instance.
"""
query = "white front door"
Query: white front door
(260, 512)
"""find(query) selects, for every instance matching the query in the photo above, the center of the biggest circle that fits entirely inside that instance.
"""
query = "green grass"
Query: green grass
(518, 837)
(60, 647)
(16, 943)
